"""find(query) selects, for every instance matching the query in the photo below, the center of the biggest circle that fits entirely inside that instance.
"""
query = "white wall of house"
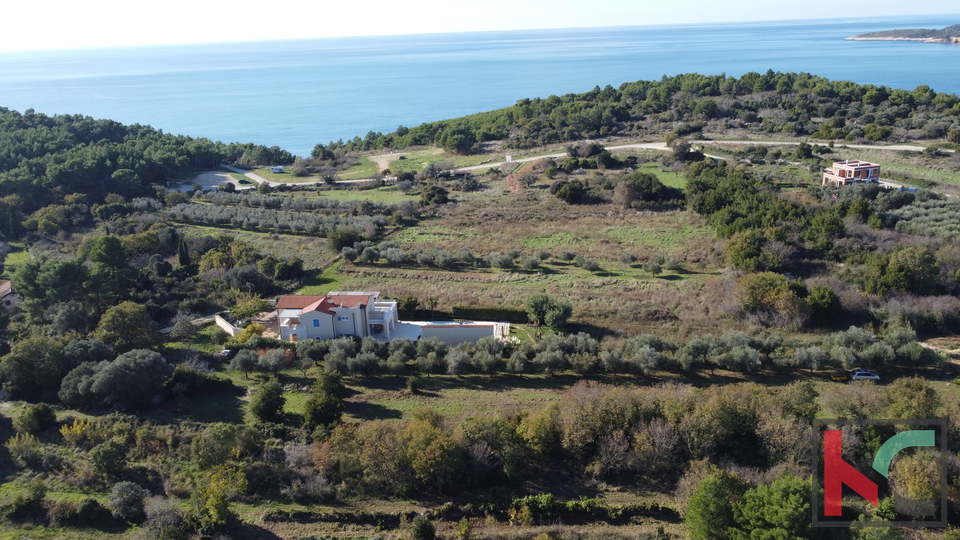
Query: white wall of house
(310, 325)
(377, 318)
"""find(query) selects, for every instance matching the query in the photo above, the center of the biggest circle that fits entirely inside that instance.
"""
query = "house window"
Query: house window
(316, 323)
(343, 318)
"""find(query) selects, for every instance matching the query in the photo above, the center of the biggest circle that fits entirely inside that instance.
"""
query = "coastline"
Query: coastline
(949, 41)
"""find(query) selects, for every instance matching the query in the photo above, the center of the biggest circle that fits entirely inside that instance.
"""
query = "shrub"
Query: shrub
(108, 459)
(266, 404)
(28, 505)
(214, 446)
(272, 361)
(126, 501)
(24, 449)
(254, 329)
(325, 406)
(35, 418)
(652, 267)
(422, 529)
(76, 433)
(87, 513)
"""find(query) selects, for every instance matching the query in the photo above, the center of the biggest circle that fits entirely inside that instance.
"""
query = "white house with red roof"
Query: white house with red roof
(335, 314)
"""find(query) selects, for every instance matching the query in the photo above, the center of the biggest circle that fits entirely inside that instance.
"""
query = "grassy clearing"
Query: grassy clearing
(667, 178)
(386, 194)
(454, 397)
(18, 255)
(365, 168)
(415, 161)
(328, 280)
(202, 342)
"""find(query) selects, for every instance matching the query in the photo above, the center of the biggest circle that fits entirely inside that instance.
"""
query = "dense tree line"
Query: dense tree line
(772, 102)
(44, 159)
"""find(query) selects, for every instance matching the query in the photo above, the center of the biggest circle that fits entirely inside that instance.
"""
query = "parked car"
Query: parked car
(864, 375)
(223, 355)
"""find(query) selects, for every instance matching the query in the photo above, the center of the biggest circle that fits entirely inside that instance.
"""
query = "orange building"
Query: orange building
(852, 172)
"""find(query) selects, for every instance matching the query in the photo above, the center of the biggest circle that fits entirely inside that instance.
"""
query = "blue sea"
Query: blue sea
(295, 94)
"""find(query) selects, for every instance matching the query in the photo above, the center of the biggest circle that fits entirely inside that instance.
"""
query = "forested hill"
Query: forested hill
(46, 159)
(914, 34)
(796, 104)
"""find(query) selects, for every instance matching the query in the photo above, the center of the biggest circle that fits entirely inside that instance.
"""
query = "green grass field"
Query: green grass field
(365, 168)
(328, 280)
(386, 194)
(18, 255)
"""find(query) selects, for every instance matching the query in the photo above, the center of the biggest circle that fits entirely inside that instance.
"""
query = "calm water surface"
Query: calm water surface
(294, 94)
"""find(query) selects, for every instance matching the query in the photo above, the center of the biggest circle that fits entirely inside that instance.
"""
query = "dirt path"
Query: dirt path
(383, 161)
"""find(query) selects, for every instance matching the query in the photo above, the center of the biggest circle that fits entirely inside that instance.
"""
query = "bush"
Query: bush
(214, 446)
(108, 459)
(76, 433)
(35, 418)
(126, 501)
(87, 513)
(325, 406)
(266, 404)
(422, 529)
(24, 449)
(134, 379)
(28, 505)
(272, 361)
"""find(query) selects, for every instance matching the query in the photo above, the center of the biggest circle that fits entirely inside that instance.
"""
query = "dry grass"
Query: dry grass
(619, 297)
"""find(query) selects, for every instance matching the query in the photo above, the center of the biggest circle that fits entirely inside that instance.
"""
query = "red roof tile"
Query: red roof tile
(297, 301)
(323, 306)
(351, 300)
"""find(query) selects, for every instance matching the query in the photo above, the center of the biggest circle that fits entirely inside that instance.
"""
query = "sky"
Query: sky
(72, 24)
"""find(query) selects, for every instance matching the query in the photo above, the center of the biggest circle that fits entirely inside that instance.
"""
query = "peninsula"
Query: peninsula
(950, 34)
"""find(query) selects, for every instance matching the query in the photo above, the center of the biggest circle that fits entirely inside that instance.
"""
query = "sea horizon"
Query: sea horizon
(300, 92)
